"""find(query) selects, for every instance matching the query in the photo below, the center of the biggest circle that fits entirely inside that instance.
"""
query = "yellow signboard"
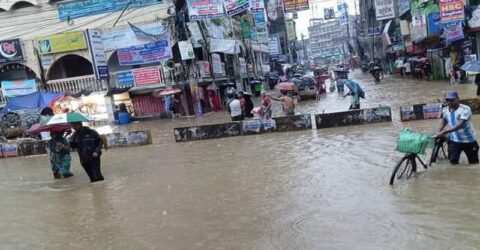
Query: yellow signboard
(61, 42)
(290, 30)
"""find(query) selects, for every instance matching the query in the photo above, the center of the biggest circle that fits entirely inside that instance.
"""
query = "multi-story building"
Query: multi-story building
(328, 39)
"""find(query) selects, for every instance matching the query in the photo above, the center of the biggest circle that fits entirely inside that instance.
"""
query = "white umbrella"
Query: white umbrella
(67, 118)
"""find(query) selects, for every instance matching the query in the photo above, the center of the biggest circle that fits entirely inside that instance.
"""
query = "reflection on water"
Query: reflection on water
(325, 189)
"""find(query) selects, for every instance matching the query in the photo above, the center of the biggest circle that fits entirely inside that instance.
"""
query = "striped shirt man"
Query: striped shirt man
(466, 134)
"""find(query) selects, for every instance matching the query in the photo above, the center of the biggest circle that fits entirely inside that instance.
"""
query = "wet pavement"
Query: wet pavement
(325, 189)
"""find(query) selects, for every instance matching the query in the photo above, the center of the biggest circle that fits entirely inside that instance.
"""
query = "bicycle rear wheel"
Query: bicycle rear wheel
(404, 168)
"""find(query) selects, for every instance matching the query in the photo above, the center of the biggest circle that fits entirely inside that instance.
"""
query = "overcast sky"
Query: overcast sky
(316, 11)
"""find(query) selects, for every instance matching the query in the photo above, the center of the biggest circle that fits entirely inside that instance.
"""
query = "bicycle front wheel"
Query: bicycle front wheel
(404, 169)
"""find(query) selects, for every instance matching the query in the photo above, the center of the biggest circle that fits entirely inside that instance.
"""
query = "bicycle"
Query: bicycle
(407, 165)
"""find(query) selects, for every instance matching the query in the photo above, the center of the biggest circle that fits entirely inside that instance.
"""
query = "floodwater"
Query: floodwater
(325, 189)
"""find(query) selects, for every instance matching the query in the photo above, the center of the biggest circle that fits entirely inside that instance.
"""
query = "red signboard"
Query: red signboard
(451, 10)
(147, 76)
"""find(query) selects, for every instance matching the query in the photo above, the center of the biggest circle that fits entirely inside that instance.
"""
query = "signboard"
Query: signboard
(291, 6)
(11, 51)
(384, 9)
(62, 42)
(9, 150)
(144, 54)
(434, 24)
(343, 12)
(234, 7)
(262, 34)
(260, 18)
(290, 26)
(117, 39)
(243, 67)
(125, 78)
(453, 31)
(328, 13)
(75, 9)
(147, 76)
(432, 111)
(265, 68)
(451, 10)
(201, 9)
(403, 6)
(100, 64)
(468, 46)
(274, 44)
(17, 88)
(186, 50)
(407, 113)
(216, 64)
(257, 6)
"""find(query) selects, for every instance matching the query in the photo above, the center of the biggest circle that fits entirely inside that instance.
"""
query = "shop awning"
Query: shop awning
(31, 101)
(146, 89)
(224, 46)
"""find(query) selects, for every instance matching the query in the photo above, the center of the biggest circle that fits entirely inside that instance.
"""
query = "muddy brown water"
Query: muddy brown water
(325, 189)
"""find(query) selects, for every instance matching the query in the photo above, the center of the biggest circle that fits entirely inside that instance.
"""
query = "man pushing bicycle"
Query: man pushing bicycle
(460, 133)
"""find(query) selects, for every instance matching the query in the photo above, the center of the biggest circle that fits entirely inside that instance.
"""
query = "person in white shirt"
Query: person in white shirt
(408, 68)
(234, 108)
(460, 133)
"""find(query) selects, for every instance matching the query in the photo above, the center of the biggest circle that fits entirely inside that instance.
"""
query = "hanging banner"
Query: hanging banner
(62, 42)
(453, 31)
(272, 12)
(18, 88)
(243, 67)
(97, 52)
(234, 7)
(474, 22)
(384, 9)
(144, 54)
(290, 26)
(196, 34)
(147, 76)
(257, 6)
(201, 9)
(186, 50)
(274, 44)
(246, 29)
(11, 51)
(434, 24)
(328, 13)
(291, 6)
(70, 10)
(262, 34)
(418, 26)
(117, 39)
(451, 10)
(217, 64)
(403, 6)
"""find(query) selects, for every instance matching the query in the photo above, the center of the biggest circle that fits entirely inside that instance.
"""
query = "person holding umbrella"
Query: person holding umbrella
(89, 146)
(355, 92)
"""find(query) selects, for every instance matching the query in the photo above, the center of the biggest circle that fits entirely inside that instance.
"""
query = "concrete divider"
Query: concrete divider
(205, 132)
(127, 139)
(113, 140)
(425, 111)
(354, 117)
(283, 124)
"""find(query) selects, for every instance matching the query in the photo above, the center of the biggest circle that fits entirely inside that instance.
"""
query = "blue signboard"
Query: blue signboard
(82, 8)
(143, 54)
(403, 6)
(434, 24)
(125, 78)
(260, 18)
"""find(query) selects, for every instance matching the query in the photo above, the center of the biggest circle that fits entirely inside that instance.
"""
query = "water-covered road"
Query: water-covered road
(325, 189)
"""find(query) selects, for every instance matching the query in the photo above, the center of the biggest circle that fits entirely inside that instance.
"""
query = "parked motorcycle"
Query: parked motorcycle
(377, 73)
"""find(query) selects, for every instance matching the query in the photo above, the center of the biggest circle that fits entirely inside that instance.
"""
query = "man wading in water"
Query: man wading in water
(288, 105)
(461, 136)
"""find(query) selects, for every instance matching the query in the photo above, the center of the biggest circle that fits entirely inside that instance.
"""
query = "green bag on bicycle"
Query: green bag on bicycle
(412, 142)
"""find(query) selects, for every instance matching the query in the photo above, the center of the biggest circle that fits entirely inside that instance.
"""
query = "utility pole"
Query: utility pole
(304, 49)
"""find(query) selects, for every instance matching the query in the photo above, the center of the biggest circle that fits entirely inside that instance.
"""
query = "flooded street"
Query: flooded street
(325, 189)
